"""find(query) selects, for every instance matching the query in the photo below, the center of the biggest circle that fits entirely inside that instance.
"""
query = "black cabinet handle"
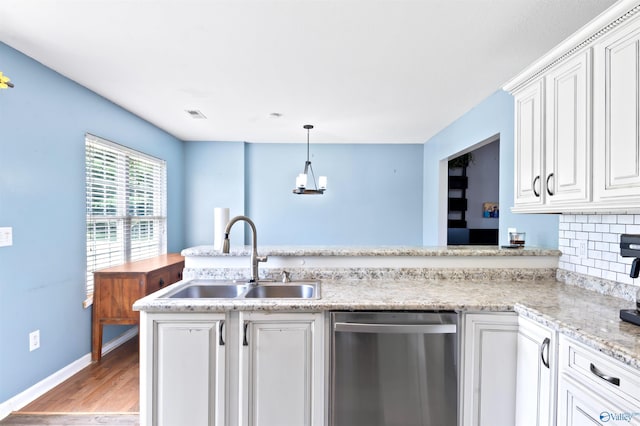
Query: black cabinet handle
(245, 342)
(537, 178)
(161, 283)
(549, 189)
(545, 345)
(221, 339)
(610, 379)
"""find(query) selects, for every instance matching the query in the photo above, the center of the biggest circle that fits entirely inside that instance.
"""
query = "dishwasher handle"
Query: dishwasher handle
(355, 327)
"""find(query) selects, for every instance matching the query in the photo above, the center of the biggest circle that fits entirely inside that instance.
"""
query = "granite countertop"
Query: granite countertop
(584, 315)
(208, 251)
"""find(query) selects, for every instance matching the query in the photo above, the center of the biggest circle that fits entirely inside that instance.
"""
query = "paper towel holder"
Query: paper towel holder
(220, 220)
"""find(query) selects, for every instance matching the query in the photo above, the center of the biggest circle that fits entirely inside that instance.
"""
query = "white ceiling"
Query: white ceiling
(378, 71)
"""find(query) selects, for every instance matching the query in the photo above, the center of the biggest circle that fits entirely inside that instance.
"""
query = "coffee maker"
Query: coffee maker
(630, 247)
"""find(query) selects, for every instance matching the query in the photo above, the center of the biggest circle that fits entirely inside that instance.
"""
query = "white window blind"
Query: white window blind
(126, 205)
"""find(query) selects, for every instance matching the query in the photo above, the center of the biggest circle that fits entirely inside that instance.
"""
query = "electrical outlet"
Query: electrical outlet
(582, 249)
(34, 340)
(6, 236)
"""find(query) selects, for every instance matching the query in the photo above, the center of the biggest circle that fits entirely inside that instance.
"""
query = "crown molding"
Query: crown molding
(607, 21)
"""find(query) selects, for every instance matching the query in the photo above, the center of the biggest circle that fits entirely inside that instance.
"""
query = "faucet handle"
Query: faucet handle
(262, 258)
(285, 277)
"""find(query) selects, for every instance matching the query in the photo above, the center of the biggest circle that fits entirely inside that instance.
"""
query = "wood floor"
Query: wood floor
(108, 386)
(75, 419)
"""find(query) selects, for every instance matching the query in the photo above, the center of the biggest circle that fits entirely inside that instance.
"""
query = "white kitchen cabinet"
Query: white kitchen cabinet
(567, 168)
(529, 139)
(182, 369)
(577, 120)
(282, 369)
(239, 368)
(616, 117)
(536, 374)
(553, 138)
(594, 389)
(488, 369)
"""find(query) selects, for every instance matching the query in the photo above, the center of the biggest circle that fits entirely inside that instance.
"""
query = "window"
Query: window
(126, 206)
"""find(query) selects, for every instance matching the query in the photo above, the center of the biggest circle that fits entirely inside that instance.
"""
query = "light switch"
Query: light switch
(6, 236)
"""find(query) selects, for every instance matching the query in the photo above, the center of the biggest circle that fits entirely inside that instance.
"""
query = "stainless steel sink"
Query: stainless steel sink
(200, 291)
(216, 289)
(284, 291)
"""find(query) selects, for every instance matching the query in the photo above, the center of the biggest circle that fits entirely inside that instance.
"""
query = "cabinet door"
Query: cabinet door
(282, 370)
(489, 369)
(567, 176)
(616, 117)
(536, 367)
(528, 147)
(185, 380)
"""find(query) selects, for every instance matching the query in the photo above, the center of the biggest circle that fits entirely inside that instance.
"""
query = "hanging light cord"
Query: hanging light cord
(308, 128)
(307, 164)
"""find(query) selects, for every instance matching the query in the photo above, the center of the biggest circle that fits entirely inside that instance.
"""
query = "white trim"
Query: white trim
(31, 394)
(443, 201)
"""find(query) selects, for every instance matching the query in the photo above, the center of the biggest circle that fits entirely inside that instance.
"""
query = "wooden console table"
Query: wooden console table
(116, 288)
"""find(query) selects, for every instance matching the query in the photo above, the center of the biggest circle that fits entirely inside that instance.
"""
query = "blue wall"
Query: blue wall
(214, 173)
(495, 115)
(43, 121)
(373, 196)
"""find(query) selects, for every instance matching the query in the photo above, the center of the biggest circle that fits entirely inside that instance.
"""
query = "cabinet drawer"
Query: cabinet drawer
(158, 279)
(595, 369)
(163, 277)
(579, 405)
(175, 272)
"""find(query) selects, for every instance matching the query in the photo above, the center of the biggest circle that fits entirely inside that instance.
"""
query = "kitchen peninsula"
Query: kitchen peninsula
(493, 290)
(339, 262)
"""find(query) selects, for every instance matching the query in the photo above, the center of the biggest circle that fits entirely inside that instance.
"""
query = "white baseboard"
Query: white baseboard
(31, 394)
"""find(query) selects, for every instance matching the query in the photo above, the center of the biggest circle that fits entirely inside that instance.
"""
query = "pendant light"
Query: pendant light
(303, 178)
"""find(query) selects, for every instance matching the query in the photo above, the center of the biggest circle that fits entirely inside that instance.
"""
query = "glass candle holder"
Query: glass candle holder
(517, 238)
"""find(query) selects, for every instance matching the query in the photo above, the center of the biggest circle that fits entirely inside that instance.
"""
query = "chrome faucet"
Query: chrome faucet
(255, 259)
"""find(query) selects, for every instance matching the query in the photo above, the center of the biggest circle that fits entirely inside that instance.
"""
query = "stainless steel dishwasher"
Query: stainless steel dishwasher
(394, 368)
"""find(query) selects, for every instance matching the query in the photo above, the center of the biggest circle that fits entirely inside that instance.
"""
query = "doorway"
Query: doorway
(473, 191)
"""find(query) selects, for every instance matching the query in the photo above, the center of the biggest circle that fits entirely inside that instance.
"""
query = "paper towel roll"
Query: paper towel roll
(220, 220)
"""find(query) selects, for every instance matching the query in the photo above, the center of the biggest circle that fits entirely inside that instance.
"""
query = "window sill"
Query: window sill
(88, 302)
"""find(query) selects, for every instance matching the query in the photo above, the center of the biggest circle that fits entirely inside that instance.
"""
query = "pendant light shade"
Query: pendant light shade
(303, 180)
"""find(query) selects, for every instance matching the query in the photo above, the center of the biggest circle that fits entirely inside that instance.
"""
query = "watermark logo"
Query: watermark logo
(625, 416)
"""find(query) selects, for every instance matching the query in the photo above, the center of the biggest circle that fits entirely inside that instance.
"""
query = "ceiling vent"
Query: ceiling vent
(194, 113)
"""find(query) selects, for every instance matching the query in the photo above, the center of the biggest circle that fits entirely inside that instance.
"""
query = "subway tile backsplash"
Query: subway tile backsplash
(590, 245)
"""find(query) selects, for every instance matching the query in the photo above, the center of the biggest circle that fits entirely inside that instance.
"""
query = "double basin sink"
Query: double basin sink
(214, 289)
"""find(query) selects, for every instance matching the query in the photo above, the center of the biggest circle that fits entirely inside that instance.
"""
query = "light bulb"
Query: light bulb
(301, 181)
(322, 182)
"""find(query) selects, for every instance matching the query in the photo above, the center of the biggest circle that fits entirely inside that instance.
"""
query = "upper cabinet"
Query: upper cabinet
(567, 174)
(529, 146)
(616, 111)
(577, 121)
